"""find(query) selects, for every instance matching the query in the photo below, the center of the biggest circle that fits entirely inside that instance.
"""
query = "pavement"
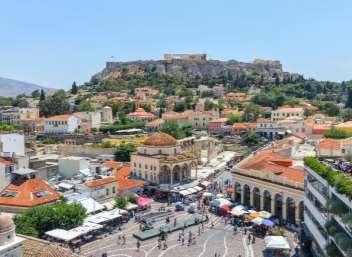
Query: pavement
(220, 239)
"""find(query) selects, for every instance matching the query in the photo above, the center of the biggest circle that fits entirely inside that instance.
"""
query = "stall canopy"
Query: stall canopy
(276, 242)
(257, 221)
(220, 202)
(131, 206)
(198, 188)
(144, 201)
(265, 214)
(207, 194)
(239, 210)
(220, 196)
(268, 223)
(103, 217)
(205, 183)
(90, 205)
(185, 192)
(192, 190)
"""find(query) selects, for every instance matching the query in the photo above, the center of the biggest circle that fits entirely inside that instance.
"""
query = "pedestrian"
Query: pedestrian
(183, 240)
(179, 236)
(202, 227)
(123, 239)
(175, 222)
(253, 240)
(165, 245)
(119, 239)
(198, 231)
(245, 230)
(159, 243)
(212, 224)
(138, 245)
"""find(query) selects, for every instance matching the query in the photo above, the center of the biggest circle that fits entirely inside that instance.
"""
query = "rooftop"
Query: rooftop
(63, 117)
(28, 193)
(160, 139)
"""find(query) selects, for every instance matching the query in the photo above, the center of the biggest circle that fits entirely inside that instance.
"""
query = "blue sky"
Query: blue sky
(53, 43)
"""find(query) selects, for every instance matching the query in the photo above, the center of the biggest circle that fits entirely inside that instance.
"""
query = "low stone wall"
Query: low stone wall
(84, 150)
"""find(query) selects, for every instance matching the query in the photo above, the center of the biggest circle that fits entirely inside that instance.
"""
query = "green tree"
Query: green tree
(123, 152)
(347, 114)
(36, 94)
(208, 105)
(120, 202)
(20, 101)
(42, 95)
(251, 138)
(85, 106)
(54, 105)
(233, 118)
(132, 198)
(6, 101)
(349, 98)
(38, 220)
(173, 129)
(251, 112)
(180, 107)
(337, 133)
(74, 88)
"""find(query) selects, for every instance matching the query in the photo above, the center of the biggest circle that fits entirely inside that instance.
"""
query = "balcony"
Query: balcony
(318, 237)
(342, 240)
(315, 211)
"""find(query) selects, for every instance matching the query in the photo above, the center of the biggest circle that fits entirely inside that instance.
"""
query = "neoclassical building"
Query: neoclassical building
(267, 180)
(161, 160)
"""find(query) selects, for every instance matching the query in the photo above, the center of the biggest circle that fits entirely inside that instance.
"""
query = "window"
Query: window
(135, 164)
(107, 191)
(113, 190)
(146, 166)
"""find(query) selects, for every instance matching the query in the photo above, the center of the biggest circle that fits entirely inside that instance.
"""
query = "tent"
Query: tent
(239, 210)
(220, 202)
(257, 221)
(268, 223)
(265, 214)
(185, 192)
(276, 242)
(207, 194)
(144, 201)
(131, 206)
(220, 196)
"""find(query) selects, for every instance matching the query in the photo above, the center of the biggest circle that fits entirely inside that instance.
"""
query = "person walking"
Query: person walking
(198, 231)
(123, 239)
(202, 227)
(183, 240)
(138, 245)
(119, 239)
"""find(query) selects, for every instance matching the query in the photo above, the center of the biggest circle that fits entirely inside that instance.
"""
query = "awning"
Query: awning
(64, 235)
(205, 183)
(198, 188)
(131, 206)
(257, 221)
(265, 214)
(220, 202)
(90, 205)
(184, 192)
(192, 190)
(276, 242)
(144, 201)
(207, 194)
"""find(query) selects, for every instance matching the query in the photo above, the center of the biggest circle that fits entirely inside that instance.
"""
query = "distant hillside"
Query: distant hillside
(12, 88)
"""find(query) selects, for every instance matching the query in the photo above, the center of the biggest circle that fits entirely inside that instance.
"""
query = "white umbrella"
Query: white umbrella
(265, 214)
(207, 194)
(257, 220)
(219, 196)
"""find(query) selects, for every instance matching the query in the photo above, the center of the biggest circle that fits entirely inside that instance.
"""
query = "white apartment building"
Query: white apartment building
(12, 143)
(61, 124)
(327, 217)
(73, 165)
(287, 112)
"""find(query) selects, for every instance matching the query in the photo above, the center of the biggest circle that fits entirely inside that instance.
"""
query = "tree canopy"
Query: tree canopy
(54, 105)
(36, 221)
(174, 129)
(123, 152)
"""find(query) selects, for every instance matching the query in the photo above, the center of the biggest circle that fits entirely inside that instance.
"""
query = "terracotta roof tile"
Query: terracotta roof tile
(100, 182)
(63, 117)
(330, 144)
(123, 182)
(28, 193)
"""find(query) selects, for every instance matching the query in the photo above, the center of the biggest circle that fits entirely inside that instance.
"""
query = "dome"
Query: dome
(6, 223)
(160, 139)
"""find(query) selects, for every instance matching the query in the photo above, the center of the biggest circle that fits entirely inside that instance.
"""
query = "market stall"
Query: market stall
(276, 246)
(144, 202)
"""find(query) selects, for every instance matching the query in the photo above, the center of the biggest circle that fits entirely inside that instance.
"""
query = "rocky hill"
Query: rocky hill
(266, 70)
(12, 88)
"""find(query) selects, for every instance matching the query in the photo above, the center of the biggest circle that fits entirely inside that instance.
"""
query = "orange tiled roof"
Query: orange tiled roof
(25, 191)
(63, 117)
(290, 109)
(113, 165)
(156, 122)
(244, 125)
(267, 161)
(219, 120)
(100, 182)
(140, 112)
(263, 120)
(123, 182)
(330, 144)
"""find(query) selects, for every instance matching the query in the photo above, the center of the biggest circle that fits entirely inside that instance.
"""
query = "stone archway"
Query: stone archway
(246, 195)
(278, 206)
(267, 201)
(256, 198)
(176, 174)
(165, 175)
(185, 171)
(238, 191)
(290, 210)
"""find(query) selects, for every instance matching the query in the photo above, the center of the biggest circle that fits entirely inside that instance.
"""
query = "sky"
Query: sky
(53, 43)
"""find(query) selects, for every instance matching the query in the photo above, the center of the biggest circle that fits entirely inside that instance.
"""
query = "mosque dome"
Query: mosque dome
(160, 139)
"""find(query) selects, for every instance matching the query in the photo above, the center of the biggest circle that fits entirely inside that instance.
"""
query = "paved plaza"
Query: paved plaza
(219, 240)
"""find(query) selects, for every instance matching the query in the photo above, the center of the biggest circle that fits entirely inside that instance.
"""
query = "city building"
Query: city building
(328, 147)
(106, 115)
(10, 244)
(102, 188)
(270, 129)
(269, 180)
(161, 160)
(73, 165)
(286, 112)
(239, 128)
(12, 144)
(219, 126)
(89, 120)
(232, 97)
(6, 169)
(218, 91)
(154, 125)
(141, 115)
(61, 124)
(145, 92)
(327, 213)
(26, 191)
